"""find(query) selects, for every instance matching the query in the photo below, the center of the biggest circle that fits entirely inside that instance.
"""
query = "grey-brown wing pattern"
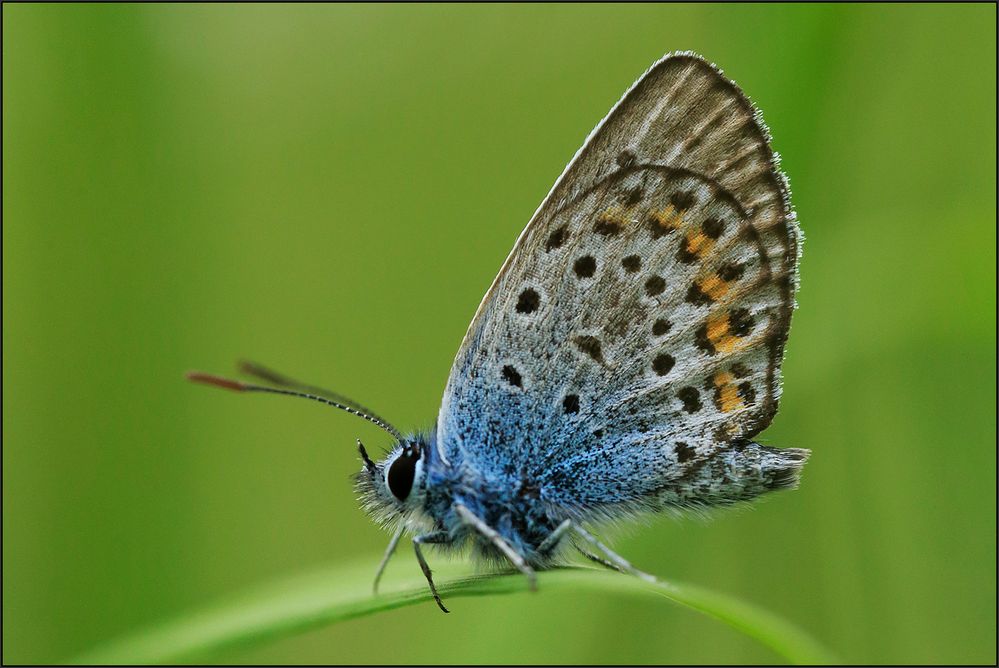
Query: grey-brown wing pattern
(643, 309)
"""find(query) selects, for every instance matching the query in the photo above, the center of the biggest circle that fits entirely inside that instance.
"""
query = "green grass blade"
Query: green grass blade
(332, 595)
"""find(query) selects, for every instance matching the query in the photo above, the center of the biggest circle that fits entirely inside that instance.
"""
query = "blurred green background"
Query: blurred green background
(331, 189)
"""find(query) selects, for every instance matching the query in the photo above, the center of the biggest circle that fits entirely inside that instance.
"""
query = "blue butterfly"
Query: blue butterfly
(627, 353)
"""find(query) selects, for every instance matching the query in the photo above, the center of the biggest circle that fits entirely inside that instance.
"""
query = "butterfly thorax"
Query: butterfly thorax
(416, 488)
(510, 503)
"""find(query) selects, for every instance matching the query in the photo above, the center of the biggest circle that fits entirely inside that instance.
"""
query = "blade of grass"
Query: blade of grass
(327, 596)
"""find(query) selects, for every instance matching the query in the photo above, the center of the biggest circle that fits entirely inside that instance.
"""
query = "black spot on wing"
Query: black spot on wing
(713, 227)
(691, 399)
(657, 229)
(557, 238)
(731, 271)
(684, 254)
(631, 263)
(528, 301)
(661, 326)
(590, 345)
(747, 393)
(740, 370)
(512, 376)
(684, 452)
(585, 266)
(683, 199)
(570, 404)
(662, 364)
(740, 323)
(625, 159)
(702, 340)
(608, 227)
(655, 286)
(634, 196)
(697, 296)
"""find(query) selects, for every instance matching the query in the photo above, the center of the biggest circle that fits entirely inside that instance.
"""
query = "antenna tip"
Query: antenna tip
(217, 381)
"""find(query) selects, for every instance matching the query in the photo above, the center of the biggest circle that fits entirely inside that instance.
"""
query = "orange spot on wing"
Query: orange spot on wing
(714, 287)
(698, 243)
(614, 215)
(717, 327)
(727, 344)
(719, 335)
(668, 218)
(727, 394)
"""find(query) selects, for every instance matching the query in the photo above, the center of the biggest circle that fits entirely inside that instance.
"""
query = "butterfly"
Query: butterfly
(625, 356)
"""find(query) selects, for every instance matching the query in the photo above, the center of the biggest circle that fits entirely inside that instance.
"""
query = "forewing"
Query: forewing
(646, 304)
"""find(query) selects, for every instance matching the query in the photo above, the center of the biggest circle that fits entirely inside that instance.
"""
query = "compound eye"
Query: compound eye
(401, 474)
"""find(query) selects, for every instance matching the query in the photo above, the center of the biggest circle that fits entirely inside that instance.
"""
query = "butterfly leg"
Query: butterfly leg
(429, 538)
(552, 540)
(599, 560)
(491, 534)
(619, 562)
(388, 555)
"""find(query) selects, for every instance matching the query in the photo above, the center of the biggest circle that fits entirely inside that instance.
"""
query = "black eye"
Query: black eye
(401, 474)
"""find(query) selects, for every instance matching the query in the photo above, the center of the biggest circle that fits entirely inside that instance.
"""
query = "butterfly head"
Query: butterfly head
(394, 486)
(390, 489)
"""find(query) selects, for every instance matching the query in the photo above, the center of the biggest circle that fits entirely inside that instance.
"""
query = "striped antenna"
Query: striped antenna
(239, 386)
(271, 377)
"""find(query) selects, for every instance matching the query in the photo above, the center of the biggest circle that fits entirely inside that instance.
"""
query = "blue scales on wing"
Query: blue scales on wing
(630, 347)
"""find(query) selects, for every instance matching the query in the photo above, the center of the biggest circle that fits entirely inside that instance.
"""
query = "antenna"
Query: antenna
(272, 377)
(239, 386)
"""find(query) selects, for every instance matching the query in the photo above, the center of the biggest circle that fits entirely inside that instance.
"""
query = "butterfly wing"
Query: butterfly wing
(637, 328)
